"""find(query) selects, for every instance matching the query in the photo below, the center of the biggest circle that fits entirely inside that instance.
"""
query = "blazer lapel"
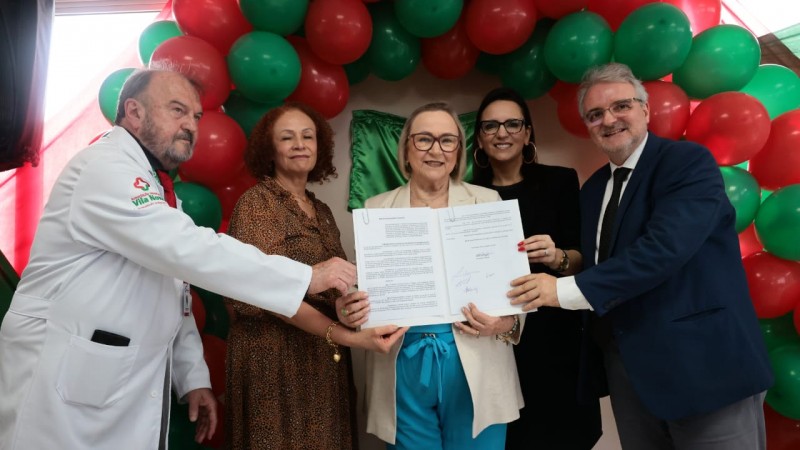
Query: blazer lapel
(459, 195)
(640, 172)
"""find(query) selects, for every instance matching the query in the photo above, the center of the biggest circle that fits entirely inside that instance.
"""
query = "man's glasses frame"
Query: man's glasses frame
(619, 108)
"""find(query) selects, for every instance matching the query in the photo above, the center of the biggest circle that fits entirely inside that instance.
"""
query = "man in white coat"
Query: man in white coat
(99, 328)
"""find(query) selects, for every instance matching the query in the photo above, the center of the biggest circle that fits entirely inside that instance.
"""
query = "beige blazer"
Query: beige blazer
(488, 363)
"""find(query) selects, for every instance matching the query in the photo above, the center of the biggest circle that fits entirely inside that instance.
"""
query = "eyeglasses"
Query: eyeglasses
(424, 141)
(619, 108)
(512, 126)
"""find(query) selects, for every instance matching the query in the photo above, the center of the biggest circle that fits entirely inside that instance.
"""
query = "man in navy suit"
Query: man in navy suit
(684, 357)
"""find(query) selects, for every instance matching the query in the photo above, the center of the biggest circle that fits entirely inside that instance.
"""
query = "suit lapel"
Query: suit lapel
(592, 201)
(640, 173)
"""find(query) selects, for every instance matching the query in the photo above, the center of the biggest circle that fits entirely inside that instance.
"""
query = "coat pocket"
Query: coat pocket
(93, 374)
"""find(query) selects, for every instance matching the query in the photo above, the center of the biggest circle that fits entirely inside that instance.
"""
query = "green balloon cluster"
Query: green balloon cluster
(394, 53)
(779, 331)
(109, 92)
(357, 71)
(778, 222)
(200, 204)
(722, 58)
(525, 70)
(776, 87)
(264, 66)
(428, 18)
(282, 17)
(744, 193)
(577, 42)
(152, 36)
(784, 396)
(246, 112)
(653, 40)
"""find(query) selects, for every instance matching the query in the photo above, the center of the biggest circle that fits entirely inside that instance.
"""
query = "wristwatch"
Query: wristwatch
(564, 265)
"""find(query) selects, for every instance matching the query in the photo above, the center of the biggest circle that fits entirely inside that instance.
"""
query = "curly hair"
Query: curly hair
(259, 157)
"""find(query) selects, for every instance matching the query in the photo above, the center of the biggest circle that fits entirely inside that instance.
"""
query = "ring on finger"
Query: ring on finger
(345, 312)
(477, 334)
(545, 252)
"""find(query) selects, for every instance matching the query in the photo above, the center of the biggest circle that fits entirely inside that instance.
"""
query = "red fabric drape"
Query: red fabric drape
(23, 191)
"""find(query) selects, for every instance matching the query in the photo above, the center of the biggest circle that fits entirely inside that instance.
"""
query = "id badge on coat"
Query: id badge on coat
(187, 299)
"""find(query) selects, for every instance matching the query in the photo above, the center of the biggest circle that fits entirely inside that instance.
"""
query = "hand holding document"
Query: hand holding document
(421, 265)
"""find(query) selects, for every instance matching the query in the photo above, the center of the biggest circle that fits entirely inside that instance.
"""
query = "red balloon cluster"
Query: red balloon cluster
(702, 14)
(339, 31)
(774, 284)
(669, 109)
(500, 26)
(218, 153)
(778, 163)
(218, 22)
(323, 85)
(451, 55)
(201, 62)
(567, 110)
(559, 9)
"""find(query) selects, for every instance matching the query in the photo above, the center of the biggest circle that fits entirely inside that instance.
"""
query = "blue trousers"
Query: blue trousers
(434, 406)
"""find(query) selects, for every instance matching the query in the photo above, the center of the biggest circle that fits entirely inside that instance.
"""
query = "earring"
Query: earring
(475, 158)
(532, 159)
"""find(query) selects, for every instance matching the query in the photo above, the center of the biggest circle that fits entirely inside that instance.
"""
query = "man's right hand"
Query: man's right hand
(334, 273)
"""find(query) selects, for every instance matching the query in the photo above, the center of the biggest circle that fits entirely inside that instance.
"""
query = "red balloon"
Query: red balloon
(702, 14)
(450, 55)
(559, 9)
(748, 241)
(778, 163)
(796, 318)
(615, 11)
(229, 194)
(218, 22)
(218, 153)
(201, 62)
(198, 311)
(214, 352)
(783, 433)
(733, 125)
(500, 26)
(338, 31)
(774, 284)
(669, 109)
(562, 89)
(323, 86)
(568, 114)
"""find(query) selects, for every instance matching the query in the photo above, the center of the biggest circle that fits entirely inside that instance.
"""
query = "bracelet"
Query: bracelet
(564, 265)
(506, 337)
(336, 356)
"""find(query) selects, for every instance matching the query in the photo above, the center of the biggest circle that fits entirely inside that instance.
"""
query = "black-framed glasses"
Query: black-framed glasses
(512, 126)
(619, 108)
(424, 141)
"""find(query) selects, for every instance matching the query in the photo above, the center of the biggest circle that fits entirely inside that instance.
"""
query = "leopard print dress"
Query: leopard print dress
(283, 389)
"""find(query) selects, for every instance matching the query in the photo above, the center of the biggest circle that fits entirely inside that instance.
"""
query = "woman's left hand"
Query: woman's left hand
(352, 309)
(481, 324)
(541, 249)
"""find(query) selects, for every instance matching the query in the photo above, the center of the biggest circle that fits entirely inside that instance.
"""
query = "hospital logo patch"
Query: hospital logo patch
(141, 184)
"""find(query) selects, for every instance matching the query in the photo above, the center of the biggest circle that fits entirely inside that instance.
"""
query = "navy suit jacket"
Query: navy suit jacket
(673, 285)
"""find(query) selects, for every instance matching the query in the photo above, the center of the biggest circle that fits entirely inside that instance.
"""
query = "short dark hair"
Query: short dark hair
(483, 175)
(259, 157)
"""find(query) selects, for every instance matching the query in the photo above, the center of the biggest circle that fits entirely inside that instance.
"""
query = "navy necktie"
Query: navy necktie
(607, 226)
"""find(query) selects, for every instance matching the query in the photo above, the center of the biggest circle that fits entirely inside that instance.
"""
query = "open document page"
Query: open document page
(421, 265)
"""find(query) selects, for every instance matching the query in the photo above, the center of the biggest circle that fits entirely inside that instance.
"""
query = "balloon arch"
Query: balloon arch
(704, 81)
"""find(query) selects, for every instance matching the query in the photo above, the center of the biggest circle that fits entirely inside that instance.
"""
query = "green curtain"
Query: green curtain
(8, 284)
(373, 137)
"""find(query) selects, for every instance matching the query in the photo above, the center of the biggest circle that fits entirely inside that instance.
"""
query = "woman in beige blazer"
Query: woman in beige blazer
(446, 386)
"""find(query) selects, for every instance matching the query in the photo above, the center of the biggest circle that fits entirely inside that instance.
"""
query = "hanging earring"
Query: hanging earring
(475, 158)
(532, 159)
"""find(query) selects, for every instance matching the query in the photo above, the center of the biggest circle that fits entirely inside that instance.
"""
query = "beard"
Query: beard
(166, 148)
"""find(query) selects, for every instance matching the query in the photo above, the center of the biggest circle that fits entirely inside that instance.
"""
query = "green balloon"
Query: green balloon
(653, 40)
(181, 432)
(492, 64)
(200, 204)
(264, 66)
(778, 223)
(282, 17)
(217, 320)
(527, 72)
(722, 58)
(744, 193)
(152, 36)
(357, 71)
(246, 112)
(779, 331)
(776, 87)
(394, 53)
(577, 42)
(784, 396)
(109, 92)
(428, 18)
(765, 194)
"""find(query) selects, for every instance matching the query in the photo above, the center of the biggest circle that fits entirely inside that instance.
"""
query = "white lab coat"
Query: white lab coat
(110, 254)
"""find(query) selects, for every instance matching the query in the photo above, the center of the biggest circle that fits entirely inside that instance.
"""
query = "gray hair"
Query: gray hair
(402, 145)
(609, 73)
(138, 81)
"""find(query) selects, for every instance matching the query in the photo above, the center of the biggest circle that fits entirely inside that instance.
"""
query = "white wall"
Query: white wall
(555, 146)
